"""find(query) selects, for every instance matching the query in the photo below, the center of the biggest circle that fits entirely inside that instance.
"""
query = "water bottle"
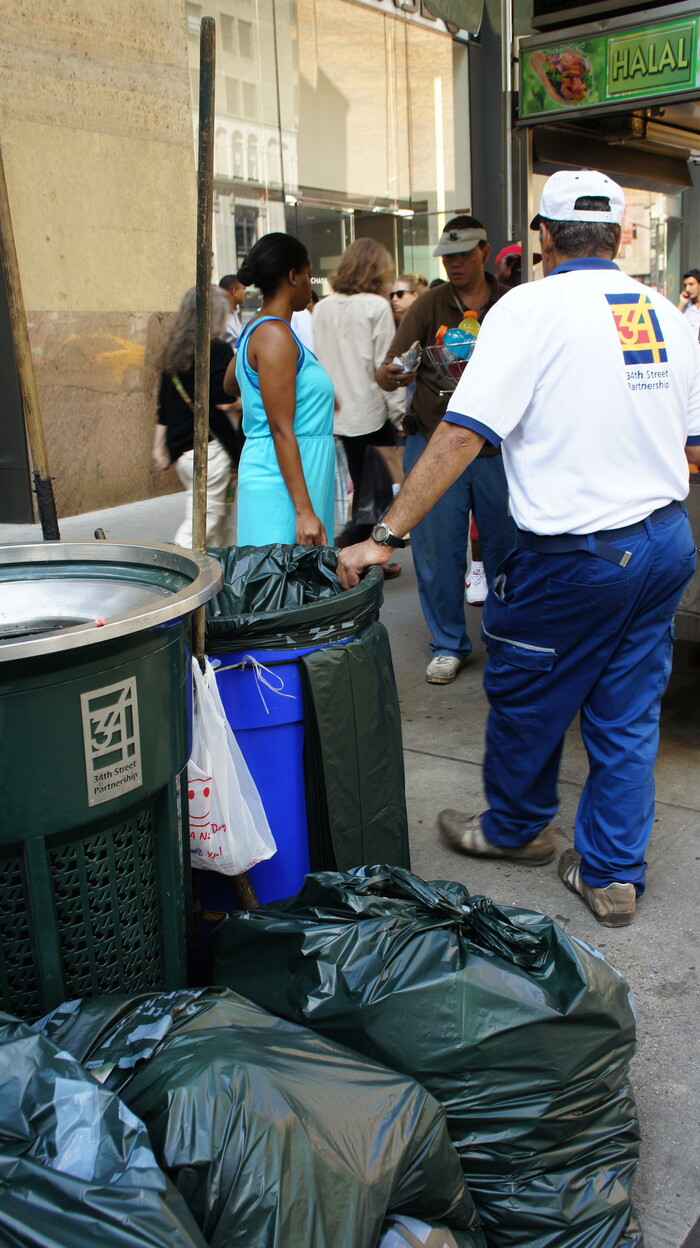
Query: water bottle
(459, 342)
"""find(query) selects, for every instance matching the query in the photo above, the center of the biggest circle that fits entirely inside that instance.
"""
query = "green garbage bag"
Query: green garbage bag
(285, 596)
(76, 1167)
(355, 793)
(400, 1231)
(273, 1135)
(523, 1033)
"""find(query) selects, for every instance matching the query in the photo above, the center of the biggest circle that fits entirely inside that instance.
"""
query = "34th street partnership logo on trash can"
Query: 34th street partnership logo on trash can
(111, 739)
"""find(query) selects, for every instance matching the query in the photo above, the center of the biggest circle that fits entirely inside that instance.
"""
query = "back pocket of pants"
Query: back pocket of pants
(518, 653)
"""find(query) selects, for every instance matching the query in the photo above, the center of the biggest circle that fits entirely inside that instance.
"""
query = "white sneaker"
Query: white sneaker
(475, 586)
(443, 668)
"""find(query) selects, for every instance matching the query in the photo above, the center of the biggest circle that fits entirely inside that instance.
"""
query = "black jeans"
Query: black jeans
(355, 449)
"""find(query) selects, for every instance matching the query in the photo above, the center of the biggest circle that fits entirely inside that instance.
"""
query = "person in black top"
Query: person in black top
(174, 431)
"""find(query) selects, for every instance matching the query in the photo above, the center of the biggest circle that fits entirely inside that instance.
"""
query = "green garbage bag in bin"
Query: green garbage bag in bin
(281, 597)
(523, 1033)
(277, 598)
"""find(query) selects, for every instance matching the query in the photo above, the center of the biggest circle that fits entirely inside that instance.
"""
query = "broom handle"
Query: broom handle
(25, 369)
(242, 888)
(205, 199)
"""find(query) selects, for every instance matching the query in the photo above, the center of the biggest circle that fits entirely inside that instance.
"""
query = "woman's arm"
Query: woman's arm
(273, 352)
(160, 454)
(230, 381)
(384, 331)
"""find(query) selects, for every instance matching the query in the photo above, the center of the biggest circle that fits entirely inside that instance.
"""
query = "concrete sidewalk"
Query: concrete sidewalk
(443, 741)
(153, 520)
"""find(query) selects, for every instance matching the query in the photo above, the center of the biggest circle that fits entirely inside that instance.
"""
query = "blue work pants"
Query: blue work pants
(574, 632)
(439, 544)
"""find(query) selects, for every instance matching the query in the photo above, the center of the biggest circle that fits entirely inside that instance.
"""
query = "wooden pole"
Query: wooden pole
(205, 202)
(242, 888)
(43, 487)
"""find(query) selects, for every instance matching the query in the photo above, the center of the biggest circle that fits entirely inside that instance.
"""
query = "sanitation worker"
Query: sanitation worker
(590, 383)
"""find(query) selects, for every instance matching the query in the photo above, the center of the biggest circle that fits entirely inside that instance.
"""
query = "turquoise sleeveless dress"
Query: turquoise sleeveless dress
(265, 509)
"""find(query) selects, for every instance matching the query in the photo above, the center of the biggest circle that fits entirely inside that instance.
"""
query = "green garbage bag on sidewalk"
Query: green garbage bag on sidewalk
(272, 1134)
(523, 1033)
(400, 1231)
(76, 1167)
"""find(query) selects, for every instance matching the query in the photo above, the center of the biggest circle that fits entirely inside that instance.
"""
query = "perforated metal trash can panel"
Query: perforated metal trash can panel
(107, 912)
(19, 988)
(99, 918)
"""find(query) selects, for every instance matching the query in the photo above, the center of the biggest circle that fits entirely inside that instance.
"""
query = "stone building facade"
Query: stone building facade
(335, 119)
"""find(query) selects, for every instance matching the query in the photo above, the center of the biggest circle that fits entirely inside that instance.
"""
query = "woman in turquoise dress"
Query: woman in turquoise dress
(286, 473)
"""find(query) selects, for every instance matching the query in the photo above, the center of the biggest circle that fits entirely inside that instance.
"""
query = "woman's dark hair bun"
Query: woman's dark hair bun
(270, 260)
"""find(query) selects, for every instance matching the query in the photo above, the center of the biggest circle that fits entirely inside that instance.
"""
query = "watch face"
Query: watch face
(380, 533)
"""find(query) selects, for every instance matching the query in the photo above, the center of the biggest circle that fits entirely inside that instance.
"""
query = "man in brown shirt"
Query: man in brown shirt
(439, 542)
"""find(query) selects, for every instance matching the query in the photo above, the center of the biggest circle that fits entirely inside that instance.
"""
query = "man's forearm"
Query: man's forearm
(450, 450)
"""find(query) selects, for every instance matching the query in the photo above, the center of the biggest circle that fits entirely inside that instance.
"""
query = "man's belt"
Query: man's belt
(595, 543)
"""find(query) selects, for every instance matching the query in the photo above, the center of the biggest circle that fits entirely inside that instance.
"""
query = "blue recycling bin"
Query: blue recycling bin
(281, 609)
(262, 695)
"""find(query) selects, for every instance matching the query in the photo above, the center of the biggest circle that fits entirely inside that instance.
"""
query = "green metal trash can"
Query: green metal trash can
(95, 702)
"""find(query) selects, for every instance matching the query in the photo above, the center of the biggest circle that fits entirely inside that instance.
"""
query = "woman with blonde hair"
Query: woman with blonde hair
(174, 432)
(353, 329)
(405, 289)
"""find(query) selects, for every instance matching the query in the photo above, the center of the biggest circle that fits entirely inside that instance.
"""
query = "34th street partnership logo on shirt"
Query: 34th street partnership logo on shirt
(638, 328)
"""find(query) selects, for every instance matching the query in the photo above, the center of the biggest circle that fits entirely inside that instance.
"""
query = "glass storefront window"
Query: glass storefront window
(332, 121)
(325, 232)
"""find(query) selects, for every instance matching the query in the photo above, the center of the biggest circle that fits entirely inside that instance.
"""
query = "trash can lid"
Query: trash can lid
(57, 596)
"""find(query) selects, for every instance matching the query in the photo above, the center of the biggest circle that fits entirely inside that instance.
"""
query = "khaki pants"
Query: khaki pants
(219, 511)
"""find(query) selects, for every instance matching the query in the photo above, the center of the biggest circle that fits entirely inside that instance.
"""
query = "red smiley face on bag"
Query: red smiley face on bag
(199, 794)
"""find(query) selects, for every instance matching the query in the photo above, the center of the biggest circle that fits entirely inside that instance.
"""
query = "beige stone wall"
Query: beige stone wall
(96, 133)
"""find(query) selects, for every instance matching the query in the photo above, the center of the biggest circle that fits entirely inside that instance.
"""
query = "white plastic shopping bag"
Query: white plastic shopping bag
(229, 831)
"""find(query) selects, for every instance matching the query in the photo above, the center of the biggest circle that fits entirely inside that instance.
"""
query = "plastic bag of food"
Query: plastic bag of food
(272, 1134)
(523, 1033)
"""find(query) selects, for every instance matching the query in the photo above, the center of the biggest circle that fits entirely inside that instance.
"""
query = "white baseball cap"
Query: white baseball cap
(561, 194)
(453, 242)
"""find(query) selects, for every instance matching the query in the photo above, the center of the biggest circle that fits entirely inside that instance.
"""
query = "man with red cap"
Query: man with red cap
(508, 265)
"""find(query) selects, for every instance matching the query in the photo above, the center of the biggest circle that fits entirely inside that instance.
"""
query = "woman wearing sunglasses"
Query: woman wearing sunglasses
(404, 291)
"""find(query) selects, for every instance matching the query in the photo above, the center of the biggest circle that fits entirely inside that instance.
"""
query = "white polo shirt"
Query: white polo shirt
(591, 381)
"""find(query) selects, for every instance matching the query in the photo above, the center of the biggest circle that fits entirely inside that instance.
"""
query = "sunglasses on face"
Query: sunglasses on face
(399, 294)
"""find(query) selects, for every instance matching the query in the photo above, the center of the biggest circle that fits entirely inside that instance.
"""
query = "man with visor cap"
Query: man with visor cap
(590, 381)
(439, 543)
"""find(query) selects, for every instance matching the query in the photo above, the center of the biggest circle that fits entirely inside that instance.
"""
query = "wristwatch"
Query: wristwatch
(383, 536)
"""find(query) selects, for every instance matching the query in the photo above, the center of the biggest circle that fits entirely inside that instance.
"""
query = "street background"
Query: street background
(443, 729)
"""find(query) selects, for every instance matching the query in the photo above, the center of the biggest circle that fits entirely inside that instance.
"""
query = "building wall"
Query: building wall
(96, 134)
(359, 99)
(322, 106)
